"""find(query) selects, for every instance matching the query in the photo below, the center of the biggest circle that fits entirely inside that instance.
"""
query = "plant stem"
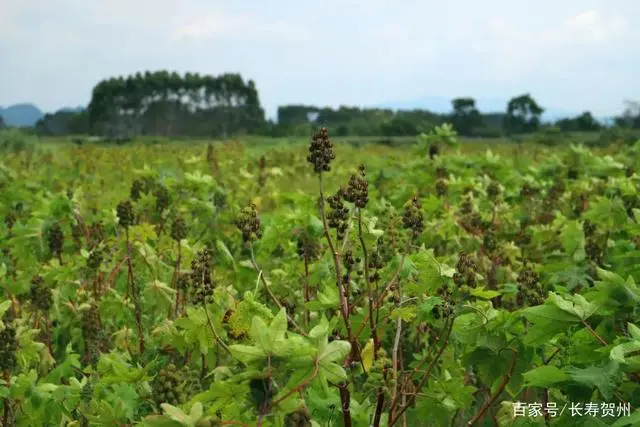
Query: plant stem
(270, 293)
(494, 397)
(344, 306)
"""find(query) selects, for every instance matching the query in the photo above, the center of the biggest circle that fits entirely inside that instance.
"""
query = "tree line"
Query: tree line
(168, 104)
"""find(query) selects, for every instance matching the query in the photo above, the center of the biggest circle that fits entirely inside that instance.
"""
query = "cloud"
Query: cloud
(572, 54)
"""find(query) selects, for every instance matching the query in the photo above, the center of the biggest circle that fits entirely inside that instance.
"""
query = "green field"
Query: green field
(203, 283)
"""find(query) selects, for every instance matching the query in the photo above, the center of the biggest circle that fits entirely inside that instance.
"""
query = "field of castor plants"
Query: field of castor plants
(319, 284)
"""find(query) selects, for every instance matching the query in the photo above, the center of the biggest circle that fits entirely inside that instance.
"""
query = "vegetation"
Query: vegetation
(167, 104)
(187, 284)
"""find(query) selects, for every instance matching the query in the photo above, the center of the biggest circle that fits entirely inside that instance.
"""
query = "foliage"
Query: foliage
(220, 284)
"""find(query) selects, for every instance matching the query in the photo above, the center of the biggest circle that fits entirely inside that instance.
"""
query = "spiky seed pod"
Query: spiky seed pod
(86, 393)
(55, 239)
(466, 207)
(358, 189)
(588, 228)
(96, 233)
(163, 200)
(40, 294)
(10, 220)
(137, 188)
(530, 287)
(338, 216)
(348, 261)
(192, 384)
(95, 259)
(70, 193)
(528, 191)
(91, 322)
(308, 247)
(125, 214)
(8, 347)
(321, 151)
(178, 229)
(413, 218)
(168, 387)
(299, 418)
(493, 191)
(202, 277)
(442, 188)
(248, 223)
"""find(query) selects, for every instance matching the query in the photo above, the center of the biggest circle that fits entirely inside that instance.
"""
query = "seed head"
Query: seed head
(163, 199)
(8, 347)
(358, 189)
(413, 219)
(9, 220)
(55, 238)
(40, 294)
(202, 277)
(125, 213)
(321, 151)
(95, 259)
(178, 229)
(248, 223)
(338, 216)
(137, 188)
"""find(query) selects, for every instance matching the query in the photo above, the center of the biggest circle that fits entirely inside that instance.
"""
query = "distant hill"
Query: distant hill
(27, 115)
(21, 115)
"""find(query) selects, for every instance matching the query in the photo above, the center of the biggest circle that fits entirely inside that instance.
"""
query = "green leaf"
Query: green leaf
(333, 372)
(575, 304)
(196, 411)
(619, 352)
(334, 351)
(631, 421)
(278, 326)
(484, 294)
(226, 253)
(247, 353)
(572, 237)
(176, 414)
(634, 331)
(550, 313)
(544, 376)
(260, 334)
(600, 377)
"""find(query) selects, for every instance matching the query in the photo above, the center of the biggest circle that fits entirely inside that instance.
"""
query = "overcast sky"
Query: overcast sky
(570, 54)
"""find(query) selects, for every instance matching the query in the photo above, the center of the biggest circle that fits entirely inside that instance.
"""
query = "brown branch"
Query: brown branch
(425, 378)
(270, 293)
(302, 385)
(494, 397)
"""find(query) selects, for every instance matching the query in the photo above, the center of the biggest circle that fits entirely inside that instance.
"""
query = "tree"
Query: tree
(523, 115)
(166, 103)
(2, 123)
(630, 117)
(585, 122)
(465, 117)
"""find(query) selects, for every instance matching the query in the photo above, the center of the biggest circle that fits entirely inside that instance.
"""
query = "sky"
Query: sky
(571, 55)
